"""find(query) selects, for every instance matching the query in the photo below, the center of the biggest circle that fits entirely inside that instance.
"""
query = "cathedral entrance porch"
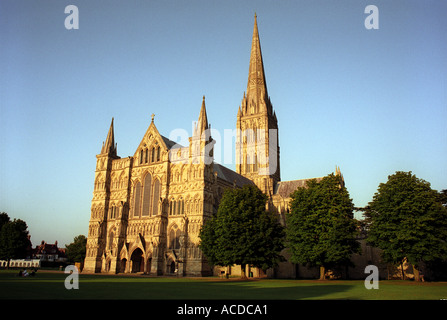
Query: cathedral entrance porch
(137, 261)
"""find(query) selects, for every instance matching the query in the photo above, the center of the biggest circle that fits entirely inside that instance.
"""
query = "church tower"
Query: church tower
(257, 142)
(100, 204)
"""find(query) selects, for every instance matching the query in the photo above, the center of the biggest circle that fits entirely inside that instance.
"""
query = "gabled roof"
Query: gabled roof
(169, 143)
(285, 188)
(230, 176)
(47, 248)
(153, 131)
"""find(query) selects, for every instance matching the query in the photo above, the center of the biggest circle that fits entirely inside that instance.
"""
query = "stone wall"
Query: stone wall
(20, 263)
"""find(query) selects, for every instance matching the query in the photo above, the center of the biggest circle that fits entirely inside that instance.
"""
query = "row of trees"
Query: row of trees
(406, 219)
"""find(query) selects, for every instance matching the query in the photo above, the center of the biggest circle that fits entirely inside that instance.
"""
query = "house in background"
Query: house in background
(49, 252)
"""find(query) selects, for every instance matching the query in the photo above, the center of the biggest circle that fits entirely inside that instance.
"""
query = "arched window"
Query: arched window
(181, 205)
(174, 237)
(137, 199)
(146, 195)
(153, 154)
(111, 236)
(112, 184)
(141, 156)
(158, 153)
(156, 197)
(255, 162)
(146, 157)
(115, 211)
(121, 180)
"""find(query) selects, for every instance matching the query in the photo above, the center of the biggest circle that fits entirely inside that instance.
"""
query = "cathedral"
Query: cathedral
(147, 209)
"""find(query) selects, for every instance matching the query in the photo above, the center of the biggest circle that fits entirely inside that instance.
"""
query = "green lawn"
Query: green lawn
(46, 285)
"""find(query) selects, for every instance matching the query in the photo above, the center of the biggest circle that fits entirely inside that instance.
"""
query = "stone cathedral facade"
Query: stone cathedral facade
(147, 209)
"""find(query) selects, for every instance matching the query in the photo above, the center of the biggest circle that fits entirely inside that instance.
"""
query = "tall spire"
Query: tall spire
(257, 158)
(256, 86)
(109, 146)
(201, 138)
(202, 125)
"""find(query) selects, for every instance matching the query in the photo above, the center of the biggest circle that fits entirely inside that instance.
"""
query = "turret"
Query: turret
(109, 146)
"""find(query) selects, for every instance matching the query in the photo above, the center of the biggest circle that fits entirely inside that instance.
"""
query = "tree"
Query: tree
(443, 197)
(14, 240)
(4, 218)
(320, 226)
(408, 221)
(243, 232)
(76, 250)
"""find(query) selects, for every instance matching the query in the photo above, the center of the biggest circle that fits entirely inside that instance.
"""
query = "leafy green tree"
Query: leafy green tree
(443, 197)
(320, 228)
(76, 250)
(408, 221)
(243, 232)
(14, 240)
(4, 218)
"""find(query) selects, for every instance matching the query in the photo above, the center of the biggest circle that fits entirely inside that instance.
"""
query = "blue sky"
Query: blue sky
(370, 101)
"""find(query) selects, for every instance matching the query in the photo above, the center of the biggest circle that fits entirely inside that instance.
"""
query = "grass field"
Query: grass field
(50, 285)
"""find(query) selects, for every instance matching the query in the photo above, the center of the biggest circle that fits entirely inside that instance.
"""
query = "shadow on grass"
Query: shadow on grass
(51, 286)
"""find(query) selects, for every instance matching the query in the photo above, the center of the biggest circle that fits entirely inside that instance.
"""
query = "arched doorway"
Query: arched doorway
(137, 260)
(123, 265)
